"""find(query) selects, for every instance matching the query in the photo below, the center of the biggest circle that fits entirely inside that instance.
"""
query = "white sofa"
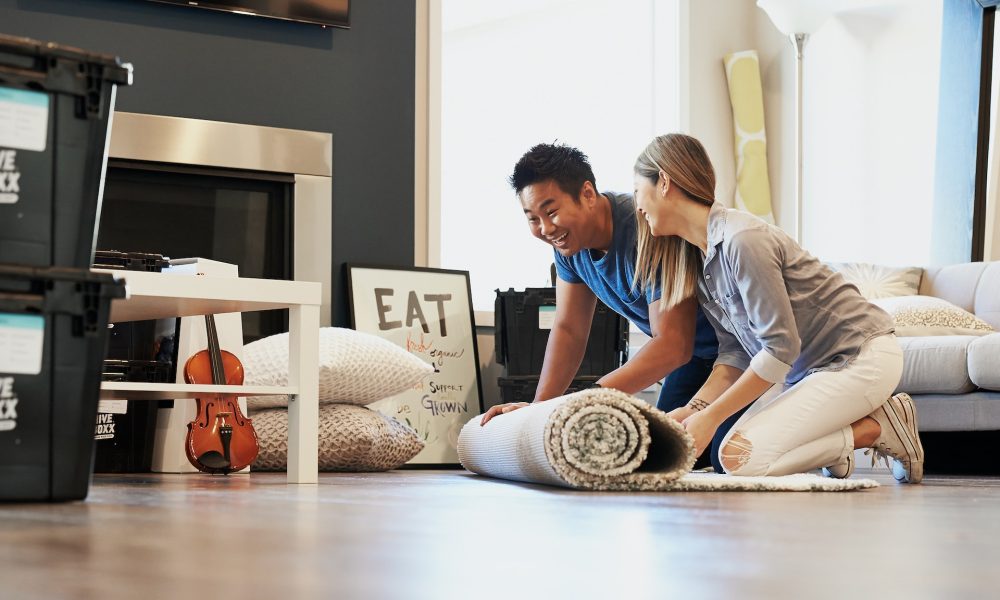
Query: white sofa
(955, 379)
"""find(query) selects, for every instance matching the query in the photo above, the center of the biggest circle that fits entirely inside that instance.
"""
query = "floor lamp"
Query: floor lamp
(798, 19)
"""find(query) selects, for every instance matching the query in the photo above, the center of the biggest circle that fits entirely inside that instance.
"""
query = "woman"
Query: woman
(814, 361)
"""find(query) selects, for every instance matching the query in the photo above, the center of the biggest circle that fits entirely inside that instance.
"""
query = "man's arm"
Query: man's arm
(670, 347)
(567, 344)
(564, 351)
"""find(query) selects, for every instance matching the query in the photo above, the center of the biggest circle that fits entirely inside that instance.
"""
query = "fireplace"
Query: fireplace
(258, 197)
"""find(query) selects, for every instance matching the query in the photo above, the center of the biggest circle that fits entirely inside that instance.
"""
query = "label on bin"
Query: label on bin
(22, 339)
(112, 407)
(546, 317)
(24, 119)
(105, 427)
(8, 404)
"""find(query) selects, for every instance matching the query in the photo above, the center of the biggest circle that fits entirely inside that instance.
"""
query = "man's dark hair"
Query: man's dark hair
(565, 165)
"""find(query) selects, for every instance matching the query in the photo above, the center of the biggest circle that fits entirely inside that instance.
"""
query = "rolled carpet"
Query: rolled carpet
(597, 439)
(604, 439)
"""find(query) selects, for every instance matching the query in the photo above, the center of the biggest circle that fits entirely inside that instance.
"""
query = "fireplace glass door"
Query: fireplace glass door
(238, 217)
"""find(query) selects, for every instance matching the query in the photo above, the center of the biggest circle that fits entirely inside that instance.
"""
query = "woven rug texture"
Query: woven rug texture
(604, 439)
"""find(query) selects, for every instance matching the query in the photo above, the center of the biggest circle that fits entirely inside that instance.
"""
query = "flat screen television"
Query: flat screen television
(328, 13)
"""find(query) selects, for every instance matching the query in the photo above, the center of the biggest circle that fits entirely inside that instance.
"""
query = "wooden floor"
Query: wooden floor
(450, 534)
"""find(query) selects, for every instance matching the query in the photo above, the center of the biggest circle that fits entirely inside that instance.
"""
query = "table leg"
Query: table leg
(303, 409)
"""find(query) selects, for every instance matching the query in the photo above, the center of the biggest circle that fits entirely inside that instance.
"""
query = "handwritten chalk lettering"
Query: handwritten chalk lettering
(441, 355)
(445, 387)
(414, 312)
(438, 407)
(420, 345)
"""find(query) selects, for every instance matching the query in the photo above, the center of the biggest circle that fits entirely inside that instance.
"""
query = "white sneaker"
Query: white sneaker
(841, 470)
(899, 439)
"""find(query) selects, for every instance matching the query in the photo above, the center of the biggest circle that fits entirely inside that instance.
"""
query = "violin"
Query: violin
(221, 439)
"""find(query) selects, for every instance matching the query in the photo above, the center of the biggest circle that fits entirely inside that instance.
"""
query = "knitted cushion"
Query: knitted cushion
(351, 438)
(354, 367)
(927, 315)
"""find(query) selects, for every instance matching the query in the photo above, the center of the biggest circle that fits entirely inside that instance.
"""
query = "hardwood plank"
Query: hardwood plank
(444, 534)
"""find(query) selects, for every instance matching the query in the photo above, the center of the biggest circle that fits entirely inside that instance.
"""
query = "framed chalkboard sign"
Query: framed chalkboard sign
(429, 313)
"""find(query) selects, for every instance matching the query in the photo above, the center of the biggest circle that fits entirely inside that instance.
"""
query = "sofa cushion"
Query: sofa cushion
(879, 281)
(988, 294)
(955, 283)
(984, 362)
(936, 365)
(927, 315)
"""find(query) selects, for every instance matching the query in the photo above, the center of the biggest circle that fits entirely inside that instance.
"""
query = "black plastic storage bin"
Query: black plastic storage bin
(134, 340)
(124, 440)
(52, 164)
(522, 389)
(53, 336)
(521, 334)
(130, 261)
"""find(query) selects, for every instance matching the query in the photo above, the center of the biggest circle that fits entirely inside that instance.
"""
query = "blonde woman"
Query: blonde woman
(813, 361)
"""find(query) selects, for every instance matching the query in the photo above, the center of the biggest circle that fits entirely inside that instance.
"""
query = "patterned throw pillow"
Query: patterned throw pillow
(927, 315)
(878, 281)
(354, 367)
(351, 438)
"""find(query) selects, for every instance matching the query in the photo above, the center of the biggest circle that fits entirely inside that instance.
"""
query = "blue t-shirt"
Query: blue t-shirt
(610, 276)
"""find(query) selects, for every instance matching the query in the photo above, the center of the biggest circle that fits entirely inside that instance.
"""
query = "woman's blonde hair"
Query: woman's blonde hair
(676, 262)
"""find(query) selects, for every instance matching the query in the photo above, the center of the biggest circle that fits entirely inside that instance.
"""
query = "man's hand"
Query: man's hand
(501, 409)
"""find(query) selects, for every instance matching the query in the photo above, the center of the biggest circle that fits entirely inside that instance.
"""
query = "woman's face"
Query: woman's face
(648, 203)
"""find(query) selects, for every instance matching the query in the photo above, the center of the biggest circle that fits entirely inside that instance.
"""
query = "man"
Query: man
(594, 240)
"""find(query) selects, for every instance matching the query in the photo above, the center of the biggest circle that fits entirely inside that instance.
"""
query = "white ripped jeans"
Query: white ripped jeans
(798, 428)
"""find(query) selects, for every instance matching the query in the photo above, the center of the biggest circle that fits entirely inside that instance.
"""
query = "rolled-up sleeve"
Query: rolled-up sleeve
(731, 351)
(756, 256)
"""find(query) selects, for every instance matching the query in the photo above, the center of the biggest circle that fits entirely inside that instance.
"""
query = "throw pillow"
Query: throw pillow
(879, 281)
(927, 315)
(354, 367)
(351, 438)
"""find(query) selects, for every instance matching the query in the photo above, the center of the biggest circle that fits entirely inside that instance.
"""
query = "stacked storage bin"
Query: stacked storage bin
(523, 322)
(55, 111)
(125, 431)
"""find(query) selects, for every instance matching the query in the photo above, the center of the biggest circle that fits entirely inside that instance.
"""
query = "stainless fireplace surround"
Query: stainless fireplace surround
(306, 155)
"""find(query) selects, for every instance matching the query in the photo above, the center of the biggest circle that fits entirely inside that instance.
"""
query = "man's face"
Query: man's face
(555, 218)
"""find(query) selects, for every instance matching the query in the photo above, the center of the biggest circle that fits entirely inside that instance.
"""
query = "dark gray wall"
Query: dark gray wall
(355, 83)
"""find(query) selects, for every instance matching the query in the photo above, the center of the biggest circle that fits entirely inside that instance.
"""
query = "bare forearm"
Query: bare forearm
(651, 363)
(733, 398)
(563, 355)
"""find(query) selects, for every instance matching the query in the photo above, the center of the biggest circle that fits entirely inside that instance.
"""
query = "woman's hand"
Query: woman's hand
(501, 409)
(702, 428)
(680, 413)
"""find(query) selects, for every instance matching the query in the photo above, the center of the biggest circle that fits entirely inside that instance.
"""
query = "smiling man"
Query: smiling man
(593, 236)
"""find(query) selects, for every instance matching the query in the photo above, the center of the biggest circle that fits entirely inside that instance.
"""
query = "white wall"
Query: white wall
(869, 134)
(717, 28)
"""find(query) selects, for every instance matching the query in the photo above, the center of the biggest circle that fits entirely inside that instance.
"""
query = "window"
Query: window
(596, 74)
(870, 126)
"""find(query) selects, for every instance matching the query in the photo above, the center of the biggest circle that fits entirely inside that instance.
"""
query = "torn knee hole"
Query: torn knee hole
(735, 453)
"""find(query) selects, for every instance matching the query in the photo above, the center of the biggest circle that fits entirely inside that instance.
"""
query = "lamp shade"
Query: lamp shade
(799, 16)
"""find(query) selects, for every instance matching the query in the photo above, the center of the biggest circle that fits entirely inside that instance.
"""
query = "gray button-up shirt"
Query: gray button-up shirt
(777, 309)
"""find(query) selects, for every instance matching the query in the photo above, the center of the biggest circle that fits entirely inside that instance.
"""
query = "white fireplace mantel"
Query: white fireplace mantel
(305, 155)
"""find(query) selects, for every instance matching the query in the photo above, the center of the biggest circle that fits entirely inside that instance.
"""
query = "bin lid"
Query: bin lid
(112, 68)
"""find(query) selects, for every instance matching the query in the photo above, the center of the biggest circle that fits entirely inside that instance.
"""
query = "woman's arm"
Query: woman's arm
(703, 424)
